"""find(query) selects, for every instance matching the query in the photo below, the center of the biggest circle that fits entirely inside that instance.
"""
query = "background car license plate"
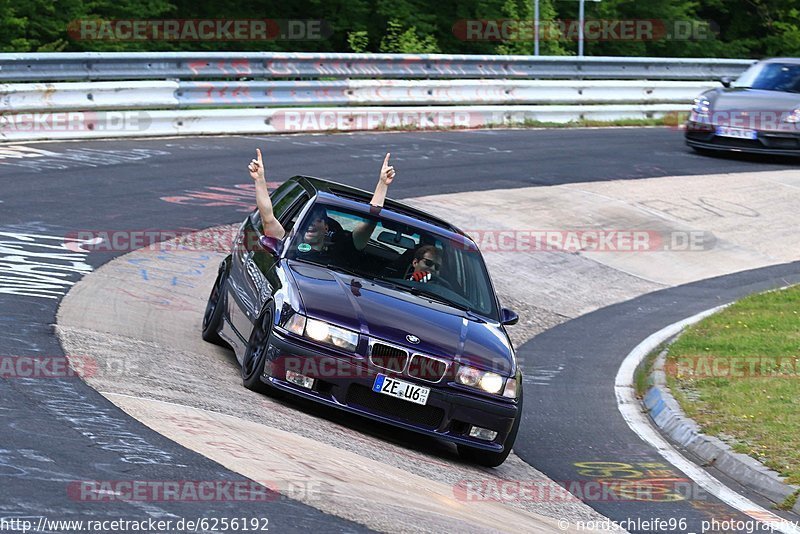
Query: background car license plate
(400, 389)
(737, 133)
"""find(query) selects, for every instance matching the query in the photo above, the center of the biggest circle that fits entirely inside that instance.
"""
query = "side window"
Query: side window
(282, 199)
(293, 211)
(280, 205)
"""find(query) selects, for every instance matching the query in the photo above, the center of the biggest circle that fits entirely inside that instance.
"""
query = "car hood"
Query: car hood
(391, 315)
(750, 100)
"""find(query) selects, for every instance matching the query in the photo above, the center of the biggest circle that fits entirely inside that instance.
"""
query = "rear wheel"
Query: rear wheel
(212, 318)
(256, 355)
(489, 458)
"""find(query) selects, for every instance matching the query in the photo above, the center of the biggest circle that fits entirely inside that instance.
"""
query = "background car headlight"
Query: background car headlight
(485, 380)
(332, 335)
(701, 106)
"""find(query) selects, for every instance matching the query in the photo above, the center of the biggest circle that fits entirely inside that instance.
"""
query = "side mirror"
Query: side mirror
(726, 81)
(508, 317)
(270, 244)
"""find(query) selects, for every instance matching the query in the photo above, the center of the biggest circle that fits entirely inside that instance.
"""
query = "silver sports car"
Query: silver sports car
(759, 112)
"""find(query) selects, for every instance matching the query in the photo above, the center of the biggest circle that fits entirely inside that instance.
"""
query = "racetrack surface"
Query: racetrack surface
(60, 188)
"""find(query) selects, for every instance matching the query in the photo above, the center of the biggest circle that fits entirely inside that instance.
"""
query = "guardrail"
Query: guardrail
(175, 95)
(188, 93)
(100, 124)
(91, 66)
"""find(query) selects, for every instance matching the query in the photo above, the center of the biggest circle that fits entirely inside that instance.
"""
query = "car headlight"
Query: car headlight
(484, 380)
(300, 325)
(332, 335)
(793, 117)
(701, 106)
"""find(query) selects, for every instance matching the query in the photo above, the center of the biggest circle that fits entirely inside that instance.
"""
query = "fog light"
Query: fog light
(482, 433)
(299, 380)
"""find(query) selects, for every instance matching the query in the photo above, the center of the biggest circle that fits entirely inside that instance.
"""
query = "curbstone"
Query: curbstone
(668, 416)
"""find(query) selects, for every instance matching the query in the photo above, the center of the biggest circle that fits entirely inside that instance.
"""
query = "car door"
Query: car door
(255, 276)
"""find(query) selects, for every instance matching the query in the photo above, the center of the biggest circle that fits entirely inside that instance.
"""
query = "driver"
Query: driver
(316, 245)
(427, 262)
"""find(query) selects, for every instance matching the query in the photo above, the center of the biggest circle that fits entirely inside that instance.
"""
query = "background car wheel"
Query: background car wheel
(488, 458)
(212, 318)
(256, 355)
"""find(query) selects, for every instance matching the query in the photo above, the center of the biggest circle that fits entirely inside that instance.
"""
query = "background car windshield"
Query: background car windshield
(462, 280)
(771, 77)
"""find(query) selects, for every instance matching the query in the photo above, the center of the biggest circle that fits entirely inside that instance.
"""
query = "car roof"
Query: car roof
(355, 198)
(790, 60)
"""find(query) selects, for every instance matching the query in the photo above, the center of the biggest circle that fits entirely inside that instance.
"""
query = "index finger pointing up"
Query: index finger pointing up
(386, 159)
(258, 155)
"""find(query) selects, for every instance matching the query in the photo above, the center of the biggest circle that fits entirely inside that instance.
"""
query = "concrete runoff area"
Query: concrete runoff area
(146, 326)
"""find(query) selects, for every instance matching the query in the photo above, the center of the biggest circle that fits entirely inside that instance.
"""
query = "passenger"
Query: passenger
(427, 262)
(319, 248)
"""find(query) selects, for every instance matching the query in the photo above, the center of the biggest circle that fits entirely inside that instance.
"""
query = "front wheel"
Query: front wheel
(256, 354)
(489, 458)
(212, 318)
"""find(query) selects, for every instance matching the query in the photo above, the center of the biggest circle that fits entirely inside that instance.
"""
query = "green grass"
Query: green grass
(737, 373)
(641, 378)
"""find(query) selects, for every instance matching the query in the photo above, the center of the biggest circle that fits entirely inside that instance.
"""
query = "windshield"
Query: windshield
(783, 77)
(427, 264)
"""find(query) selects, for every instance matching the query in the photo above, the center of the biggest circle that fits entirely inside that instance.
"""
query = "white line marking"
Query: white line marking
(631, 410)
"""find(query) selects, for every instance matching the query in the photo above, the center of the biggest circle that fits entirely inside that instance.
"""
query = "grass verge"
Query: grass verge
(737, 373)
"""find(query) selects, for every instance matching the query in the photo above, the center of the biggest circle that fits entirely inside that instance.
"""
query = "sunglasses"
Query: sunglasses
(431, 264)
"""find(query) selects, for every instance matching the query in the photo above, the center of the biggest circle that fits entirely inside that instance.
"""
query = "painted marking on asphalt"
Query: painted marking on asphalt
(40, 160)
(240, 196)
(631, 410)
(41, 266)
(104, 426)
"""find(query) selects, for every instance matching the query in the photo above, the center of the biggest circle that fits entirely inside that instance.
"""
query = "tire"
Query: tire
(212, 318)
(488, 458)
(256, 355)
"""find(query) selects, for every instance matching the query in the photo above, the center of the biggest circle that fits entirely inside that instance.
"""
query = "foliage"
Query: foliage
(400, 41)
(681, 28)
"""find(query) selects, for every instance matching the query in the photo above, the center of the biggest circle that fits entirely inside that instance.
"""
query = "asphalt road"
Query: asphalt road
(576, 403)
(58, 431)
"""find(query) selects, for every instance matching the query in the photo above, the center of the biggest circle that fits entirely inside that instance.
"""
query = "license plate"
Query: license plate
(737, 133)
(400, 389)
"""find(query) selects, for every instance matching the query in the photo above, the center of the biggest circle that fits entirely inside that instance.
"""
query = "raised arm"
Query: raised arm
(272, 227)
(362, 232)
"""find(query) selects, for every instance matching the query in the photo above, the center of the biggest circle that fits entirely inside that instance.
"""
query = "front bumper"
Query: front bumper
(345, 382)
(703, 135)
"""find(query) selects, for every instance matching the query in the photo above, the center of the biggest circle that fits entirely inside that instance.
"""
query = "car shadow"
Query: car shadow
(768, 159)
(420, 443)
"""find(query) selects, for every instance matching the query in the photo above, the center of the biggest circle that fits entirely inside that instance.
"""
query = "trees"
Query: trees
(680, 28)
